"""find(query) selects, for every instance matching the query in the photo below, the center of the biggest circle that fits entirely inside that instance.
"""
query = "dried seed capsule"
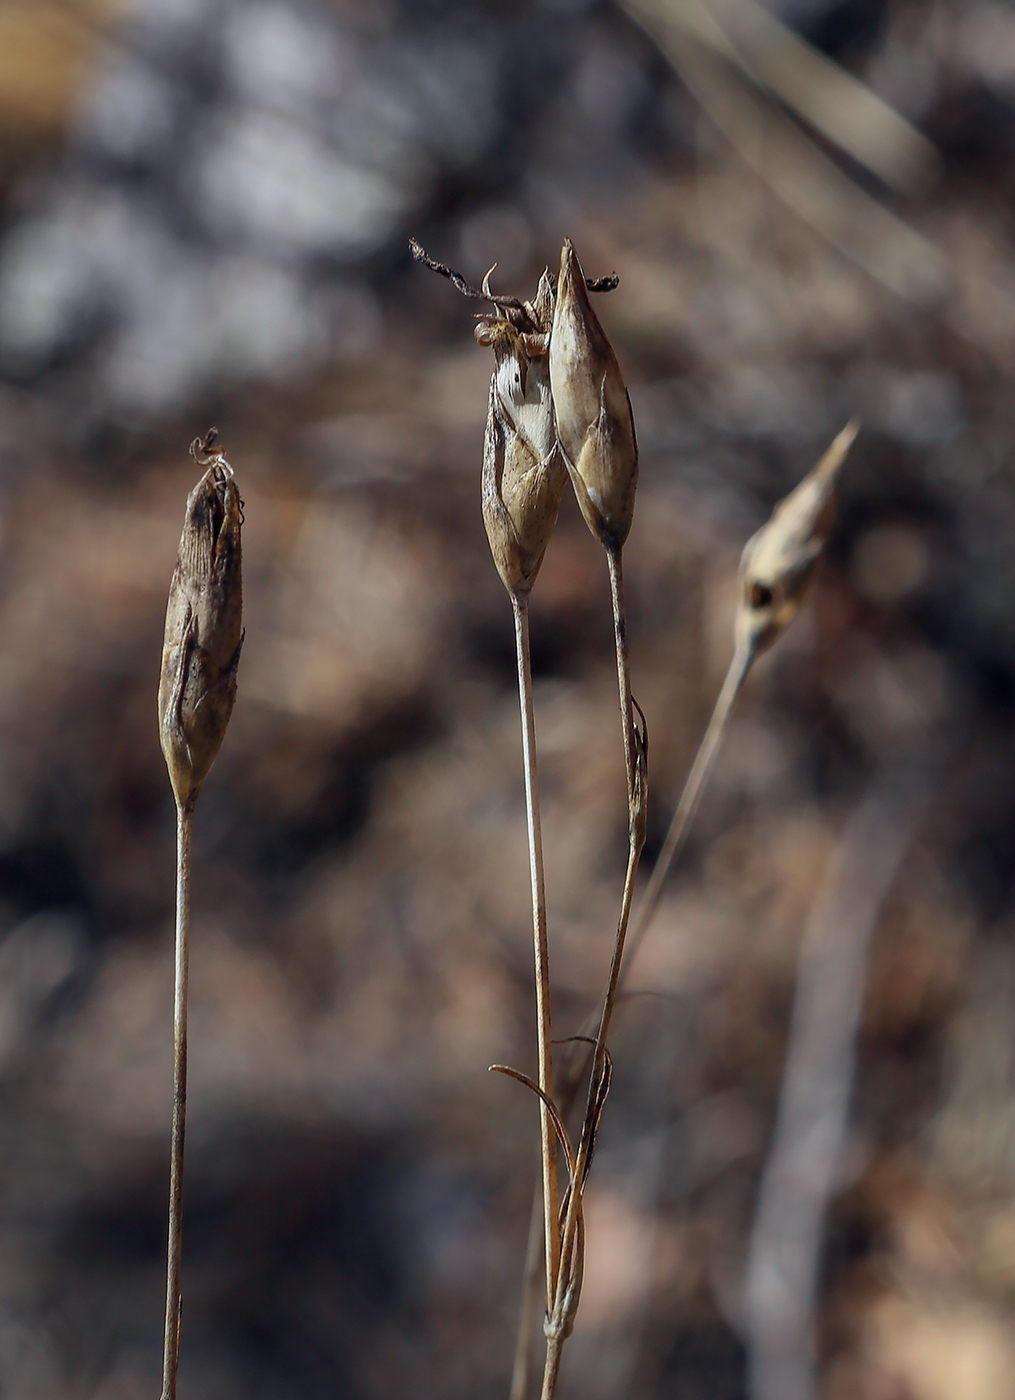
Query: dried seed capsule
(779, 562)
(523, 476)
(595, 425)
(203, 629)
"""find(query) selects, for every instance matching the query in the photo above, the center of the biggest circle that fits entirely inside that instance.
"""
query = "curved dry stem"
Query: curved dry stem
(565, 1303)
(171, 1354)
(561, 1131)
(548, 1142)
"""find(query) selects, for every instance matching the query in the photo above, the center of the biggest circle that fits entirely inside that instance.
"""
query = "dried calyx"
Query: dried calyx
(595, 425)
(523, 476)
(203, 627)
(779, 562)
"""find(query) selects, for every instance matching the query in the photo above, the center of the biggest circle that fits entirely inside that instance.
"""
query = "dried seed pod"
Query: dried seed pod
(523, 476)
(595, 425)
(203, 629)
(779, 562)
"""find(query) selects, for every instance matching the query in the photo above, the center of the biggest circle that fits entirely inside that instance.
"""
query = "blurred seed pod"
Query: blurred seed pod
(523, 476)
(203, 629)
(779, 562)
(595, 425)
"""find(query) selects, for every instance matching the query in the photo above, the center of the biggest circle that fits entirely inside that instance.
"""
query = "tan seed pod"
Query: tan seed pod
(203, 629)
(779, 562)
(523, 476)
(595, 424)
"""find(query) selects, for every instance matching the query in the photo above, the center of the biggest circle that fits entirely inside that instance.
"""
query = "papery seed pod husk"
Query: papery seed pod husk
(523, 476)
(595, 424)
(521, 498)
(204, 634)
(779, 562)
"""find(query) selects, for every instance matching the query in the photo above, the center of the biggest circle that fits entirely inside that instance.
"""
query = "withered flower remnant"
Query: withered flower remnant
(523, 476)
(595, 425)
(203, 629)
(779, 562)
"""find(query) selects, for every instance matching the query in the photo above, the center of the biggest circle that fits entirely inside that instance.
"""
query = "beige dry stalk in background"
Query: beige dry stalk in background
(200, 655)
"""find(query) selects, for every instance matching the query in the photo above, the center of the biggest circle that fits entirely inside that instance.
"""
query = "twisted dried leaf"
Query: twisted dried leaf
(204, 632)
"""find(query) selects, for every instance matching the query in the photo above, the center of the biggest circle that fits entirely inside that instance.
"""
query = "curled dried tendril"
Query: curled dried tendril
(521, 314)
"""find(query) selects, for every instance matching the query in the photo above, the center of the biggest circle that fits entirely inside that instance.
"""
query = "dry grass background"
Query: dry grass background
(358, 1184)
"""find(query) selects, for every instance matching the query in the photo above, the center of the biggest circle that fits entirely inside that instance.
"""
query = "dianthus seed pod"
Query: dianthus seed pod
(523, 477)
(595, 425)
(203, 629)
(779, 562)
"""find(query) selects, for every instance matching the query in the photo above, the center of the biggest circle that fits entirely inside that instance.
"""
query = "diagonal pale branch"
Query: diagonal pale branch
(854, 223)
(697, 778)
(825, 94)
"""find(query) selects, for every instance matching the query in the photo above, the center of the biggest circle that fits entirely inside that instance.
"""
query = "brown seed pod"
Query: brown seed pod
(203, 628)
(779, 562)
(595, 425)
(523, 476)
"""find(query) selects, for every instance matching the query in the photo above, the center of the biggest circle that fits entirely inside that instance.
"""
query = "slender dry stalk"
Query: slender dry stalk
(171, 1353)
(197, 689)
(548, 1142)
(561, 1319)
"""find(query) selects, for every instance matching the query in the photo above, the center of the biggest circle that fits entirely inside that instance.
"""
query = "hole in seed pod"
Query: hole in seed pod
(761, 595)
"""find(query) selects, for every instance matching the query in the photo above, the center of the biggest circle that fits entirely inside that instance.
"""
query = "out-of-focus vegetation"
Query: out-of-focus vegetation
(206, 212)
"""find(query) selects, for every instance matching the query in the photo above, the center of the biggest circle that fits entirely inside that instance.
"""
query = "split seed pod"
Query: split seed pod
(779, 562)
(203, 629)
(523, 477)
(595, 425)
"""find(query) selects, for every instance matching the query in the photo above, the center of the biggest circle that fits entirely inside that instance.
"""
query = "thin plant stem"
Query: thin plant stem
(548, 1140)
(551, 1371)
(566, 1299)
(171, 1359)
(680, 824)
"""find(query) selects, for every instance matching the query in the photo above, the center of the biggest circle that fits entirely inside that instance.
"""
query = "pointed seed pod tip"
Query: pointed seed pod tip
(595, 425)
(779, 562)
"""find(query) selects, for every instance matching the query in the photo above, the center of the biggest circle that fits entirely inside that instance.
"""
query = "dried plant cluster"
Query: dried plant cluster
(558, 409)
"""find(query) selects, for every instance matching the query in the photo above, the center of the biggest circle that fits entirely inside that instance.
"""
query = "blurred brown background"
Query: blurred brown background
(206, 208)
